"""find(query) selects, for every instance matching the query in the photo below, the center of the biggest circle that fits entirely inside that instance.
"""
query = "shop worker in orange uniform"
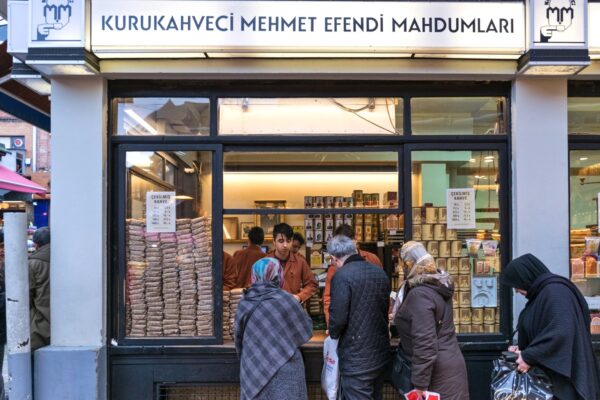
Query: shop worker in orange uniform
(229, 272)
(298, 279)
(246, 258)
(348, 231)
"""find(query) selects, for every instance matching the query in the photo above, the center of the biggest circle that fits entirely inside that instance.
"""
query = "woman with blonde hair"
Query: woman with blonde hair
(426, 327)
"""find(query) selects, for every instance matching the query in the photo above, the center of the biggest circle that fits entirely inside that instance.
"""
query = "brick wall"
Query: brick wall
(11, 126)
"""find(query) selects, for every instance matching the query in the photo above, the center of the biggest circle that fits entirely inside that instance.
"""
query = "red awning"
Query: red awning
(10, 180)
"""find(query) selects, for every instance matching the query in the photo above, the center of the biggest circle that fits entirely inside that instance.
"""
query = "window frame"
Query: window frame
(581, 142)
(403, 144)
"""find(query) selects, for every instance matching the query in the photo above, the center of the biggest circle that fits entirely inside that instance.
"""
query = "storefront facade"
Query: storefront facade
(174, 143)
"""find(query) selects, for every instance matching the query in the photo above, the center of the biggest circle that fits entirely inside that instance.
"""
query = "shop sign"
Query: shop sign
(175, 27)
(57, 23)
(558, 23)
(460, 208)
(160, 212)
(593, 302)
(594, 28)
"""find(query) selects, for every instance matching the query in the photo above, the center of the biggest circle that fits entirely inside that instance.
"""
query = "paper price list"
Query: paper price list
(160, 211)
(461, 208)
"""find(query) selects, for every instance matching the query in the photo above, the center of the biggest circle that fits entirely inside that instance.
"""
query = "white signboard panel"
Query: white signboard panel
(160, 212)
(594, 27)
(57, 23)
(460, 212)
(148, 26)
(558, 23)
(593, 302)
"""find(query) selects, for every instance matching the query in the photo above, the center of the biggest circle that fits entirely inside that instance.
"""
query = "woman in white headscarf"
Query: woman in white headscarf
(426, 327)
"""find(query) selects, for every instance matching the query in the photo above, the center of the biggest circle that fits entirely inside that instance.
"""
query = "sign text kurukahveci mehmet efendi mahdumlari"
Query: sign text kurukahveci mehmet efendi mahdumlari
(231, 23)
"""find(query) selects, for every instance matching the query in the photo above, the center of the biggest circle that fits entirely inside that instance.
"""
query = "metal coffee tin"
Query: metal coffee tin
(477, 315)
(464, 266)
(464, 297)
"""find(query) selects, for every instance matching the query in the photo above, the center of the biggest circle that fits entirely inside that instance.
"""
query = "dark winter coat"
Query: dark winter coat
(437, 362)
(270, 326)
(358, 316)
(39, 297)
(554, 329)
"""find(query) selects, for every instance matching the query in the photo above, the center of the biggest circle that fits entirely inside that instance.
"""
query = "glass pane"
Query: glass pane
(464, 244)
(314, 230)
(149, 116)
(168, 247)
(584, 115)
(326, 116)
(458, 116)
(585, 192)
(310, 180)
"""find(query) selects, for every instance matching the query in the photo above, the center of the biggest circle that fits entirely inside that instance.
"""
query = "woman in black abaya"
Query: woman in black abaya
(554, 329)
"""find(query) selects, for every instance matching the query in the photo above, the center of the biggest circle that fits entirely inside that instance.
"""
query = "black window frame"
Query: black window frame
(403, 144)
(581, 142)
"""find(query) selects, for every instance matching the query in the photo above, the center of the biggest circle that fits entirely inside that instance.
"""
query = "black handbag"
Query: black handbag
(507, 382)
(401, 372)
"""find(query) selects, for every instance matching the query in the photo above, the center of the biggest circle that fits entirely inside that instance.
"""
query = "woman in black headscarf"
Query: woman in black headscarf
(554, 329)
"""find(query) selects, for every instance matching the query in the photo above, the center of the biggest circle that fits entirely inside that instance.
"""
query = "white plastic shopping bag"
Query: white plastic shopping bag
(330, 376)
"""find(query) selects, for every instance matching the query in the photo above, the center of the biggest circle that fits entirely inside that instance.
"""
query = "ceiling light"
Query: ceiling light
(472, 160)
(583, 158)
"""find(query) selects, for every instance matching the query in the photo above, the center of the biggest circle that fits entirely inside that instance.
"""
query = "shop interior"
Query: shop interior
(169, 274)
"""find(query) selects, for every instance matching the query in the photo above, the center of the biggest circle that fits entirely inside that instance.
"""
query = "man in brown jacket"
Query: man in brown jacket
(244, 259)
(39, 289)
(298, 279)
(348, 231)
(229, 272)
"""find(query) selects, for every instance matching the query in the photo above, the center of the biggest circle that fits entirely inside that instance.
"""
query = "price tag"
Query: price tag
(380, 244)
(392, 231)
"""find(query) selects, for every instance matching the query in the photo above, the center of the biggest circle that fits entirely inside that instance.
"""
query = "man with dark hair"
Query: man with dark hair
(39, 289)
(297, 243)
(347, 231)
(359, 319)
(244, 259)
(298, 279)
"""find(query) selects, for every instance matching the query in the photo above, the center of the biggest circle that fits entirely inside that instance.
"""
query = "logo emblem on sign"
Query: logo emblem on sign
(57, 15)
(559, 18)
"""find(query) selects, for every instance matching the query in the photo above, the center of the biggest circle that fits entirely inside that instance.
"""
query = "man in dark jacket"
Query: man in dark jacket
(358, 317)
(39, 289)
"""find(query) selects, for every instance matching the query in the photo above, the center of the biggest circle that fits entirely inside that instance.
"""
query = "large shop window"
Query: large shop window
(317, 116)
(175, 197)
(151, 116)
(168, 244)
(584, 115)
(585, 237)
(314, 192)
(459, 116)
(456, 215)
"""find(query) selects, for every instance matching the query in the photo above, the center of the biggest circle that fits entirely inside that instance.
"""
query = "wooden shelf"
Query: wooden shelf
(235, 241)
